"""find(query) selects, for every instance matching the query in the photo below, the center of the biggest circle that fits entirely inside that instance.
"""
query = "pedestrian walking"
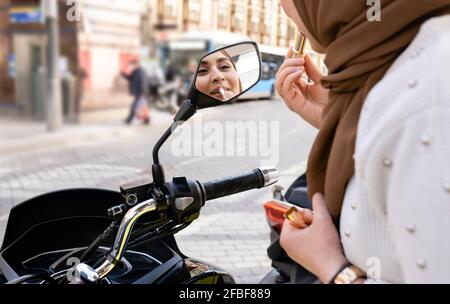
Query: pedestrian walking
(137, 88)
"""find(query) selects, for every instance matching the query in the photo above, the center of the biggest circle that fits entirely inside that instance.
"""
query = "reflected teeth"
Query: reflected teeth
(221, 90)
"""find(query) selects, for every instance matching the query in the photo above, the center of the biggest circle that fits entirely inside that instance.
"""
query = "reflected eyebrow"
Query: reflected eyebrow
(221, 59)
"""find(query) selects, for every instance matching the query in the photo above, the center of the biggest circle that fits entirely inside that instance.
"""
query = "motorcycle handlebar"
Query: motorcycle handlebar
(256, 179)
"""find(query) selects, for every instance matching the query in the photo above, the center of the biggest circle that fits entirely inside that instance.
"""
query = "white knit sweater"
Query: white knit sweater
(395, 221)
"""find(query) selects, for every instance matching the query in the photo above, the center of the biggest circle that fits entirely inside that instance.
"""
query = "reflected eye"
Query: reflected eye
(202, 71)
(224, 67)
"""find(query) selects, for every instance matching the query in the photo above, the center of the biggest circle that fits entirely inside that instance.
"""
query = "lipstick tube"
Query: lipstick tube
(299, 46)
(295, 216)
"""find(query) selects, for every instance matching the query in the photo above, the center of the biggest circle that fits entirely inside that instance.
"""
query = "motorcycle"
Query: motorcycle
(96, 236)
(285, 270)
(168, 96)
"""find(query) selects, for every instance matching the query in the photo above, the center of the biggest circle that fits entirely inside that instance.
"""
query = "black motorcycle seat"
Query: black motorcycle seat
(299, 197)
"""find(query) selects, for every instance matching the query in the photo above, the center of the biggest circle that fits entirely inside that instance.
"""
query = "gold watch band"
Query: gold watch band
(349, 275)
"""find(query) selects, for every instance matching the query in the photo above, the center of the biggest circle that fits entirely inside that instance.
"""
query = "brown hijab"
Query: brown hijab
(359, 53)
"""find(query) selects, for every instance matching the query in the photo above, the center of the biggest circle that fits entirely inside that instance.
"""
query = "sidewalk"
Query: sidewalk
(19, 134)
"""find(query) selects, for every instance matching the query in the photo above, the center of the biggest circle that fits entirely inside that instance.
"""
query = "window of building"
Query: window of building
(170, 8)
(267, 22)
(238, 15)
(255, 23)
(223, 14)
(283, 28)
(194, 10)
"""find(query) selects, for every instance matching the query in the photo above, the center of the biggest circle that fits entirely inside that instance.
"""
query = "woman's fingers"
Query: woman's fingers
(307, 216)
(298, 62)
(288, 226)
(312, 70)
(289, 54)
(320, 207)
(281, 78)
(299, 217)
(303, 85)
(299, 223)
(290, 80)
(313, 92)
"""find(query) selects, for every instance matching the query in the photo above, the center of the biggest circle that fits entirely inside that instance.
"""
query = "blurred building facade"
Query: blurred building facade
(262, 20)
(97, 38)
(101, 36)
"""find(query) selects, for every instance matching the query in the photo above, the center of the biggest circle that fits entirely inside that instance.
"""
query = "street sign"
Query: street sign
(25, 15)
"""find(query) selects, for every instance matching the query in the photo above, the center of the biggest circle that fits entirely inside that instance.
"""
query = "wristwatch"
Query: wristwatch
(348, 275)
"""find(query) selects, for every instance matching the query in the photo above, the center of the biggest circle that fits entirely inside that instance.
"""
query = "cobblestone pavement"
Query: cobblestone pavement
(231, 232)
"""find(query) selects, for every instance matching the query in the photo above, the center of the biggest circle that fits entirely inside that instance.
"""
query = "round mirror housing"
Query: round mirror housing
(225, 74)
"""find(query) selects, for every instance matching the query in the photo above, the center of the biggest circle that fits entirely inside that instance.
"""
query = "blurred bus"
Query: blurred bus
(271, 59)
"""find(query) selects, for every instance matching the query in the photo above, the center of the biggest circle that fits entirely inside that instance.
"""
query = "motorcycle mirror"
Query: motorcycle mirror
(225, 74)
(221, 76)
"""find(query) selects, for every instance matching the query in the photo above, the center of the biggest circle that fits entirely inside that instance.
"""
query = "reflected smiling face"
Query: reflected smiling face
(217, 77)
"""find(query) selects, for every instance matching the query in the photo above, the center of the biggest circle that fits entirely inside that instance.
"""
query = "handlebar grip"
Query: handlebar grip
(255, 179)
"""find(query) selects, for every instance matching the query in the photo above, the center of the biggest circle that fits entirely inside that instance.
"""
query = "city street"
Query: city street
(231, 232)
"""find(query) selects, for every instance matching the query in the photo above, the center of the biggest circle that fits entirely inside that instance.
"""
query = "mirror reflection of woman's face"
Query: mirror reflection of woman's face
(217, 77)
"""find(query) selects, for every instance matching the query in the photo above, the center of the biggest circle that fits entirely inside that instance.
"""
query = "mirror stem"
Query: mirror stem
(160, 142)
(157, 169)
(158, 175)
(187, 110)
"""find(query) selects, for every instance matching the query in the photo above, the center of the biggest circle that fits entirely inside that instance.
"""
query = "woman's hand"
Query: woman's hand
(316, 247)
(307, 100)
(302, 218)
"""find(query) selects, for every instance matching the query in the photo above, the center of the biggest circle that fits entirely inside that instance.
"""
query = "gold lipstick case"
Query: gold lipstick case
(293, 215)
(299, 46)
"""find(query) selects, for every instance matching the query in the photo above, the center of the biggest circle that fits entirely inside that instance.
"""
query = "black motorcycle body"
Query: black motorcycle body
(44, 230)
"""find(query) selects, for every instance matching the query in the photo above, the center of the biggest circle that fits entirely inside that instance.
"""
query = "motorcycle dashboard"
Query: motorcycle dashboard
(35, 252)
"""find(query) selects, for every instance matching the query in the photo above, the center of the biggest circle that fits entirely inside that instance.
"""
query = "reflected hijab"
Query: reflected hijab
(358, 54)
